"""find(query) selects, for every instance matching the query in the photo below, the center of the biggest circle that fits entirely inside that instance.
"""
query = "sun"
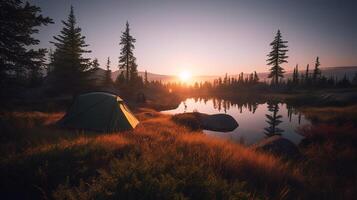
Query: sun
(185, 76)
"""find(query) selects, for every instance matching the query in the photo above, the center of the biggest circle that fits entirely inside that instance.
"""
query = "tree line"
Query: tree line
(308, 79)
(67, 69)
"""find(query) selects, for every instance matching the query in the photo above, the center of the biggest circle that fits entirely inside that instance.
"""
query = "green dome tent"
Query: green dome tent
(99, 111)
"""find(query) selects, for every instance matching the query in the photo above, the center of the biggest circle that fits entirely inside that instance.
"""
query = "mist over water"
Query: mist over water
(251, 117)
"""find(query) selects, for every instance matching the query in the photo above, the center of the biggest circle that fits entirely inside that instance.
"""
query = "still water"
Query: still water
(255, 119)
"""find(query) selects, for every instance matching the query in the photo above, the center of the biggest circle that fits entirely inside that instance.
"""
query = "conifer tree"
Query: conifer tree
(256, 78)
(36, 73)
(317, 71)
(134, 77)
(127, 59)
(307, 73)
(296, 74)
(108, 74)
(146, 81)
(71, 71)
(277, 57)
(225, 79)
(18, 22)
(50, 62)
(251, 78)
(354, 79)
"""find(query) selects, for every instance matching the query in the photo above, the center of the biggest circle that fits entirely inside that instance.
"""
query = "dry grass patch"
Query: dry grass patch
(159, 159)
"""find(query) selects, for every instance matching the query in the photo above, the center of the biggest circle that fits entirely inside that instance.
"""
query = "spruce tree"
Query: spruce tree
(50, 62)
(134, 77)
(108, 74)
(296, 75)
(146, 81)
(251, 78)
(317, 72)
(18, 22)
(277, 57)
(256, 78)
(71, 71)
(354, 79)
(307, 74)
(127, 59)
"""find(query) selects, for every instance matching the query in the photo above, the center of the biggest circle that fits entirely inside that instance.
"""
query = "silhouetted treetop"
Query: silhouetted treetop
(71, 70)
(317, 72)
(126, 58)
(276, 57)
(18, 22)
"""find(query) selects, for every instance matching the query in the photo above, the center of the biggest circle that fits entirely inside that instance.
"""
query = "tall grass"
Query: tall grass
(330, 167)
(331, 115)
(158, 160)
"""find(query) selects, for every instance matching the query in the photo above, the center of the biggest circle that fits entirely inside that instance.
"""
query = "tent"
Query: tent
(99, 111)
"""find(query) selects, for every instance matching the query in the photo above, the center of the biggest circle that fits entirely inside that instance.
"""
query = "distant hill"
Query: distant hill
(327, 71)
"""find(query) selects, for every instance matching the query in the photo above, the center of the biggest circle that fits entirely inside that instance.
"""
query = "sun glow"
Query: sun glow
(185, 76)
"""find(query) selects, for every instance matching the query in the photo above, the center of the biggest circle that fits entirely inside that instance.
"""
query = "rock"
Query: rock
(216, 122)
(280, 146)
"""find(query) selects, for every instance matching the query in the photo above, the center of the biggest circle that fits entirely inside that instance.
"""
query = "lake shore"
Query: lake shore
(55, 163)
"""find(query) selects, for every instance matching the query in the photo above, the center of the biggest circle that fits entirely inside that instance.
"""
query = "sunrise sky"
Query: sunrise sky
(212, 37)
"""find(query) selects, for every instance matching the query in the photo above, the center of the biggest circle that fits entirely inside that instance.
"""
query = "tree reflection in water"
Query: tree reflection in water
(273, 119)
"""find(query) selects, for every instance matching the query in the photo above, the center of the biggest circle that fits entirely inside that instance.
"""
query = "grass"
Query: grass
(331, 114)
(162, 159)
(189, 120)
(158, 160)
(331, 163)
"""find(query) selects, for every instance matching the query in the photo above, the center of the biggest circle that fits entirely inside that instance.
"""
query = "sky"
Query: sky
(211, 37)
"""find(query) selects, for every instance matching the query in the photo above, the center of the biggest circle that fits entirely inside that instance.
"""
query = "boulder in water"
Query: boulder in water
(216, 122)
(219, 122)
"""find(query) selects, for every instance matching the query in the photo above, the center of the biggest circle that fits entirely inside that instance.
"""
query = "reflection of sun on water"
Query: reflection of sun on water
(185, 76)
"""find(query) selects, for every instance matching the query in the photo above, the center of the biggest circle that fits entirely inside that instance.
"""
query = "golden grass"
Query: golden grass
(157, 140)
(331, 114)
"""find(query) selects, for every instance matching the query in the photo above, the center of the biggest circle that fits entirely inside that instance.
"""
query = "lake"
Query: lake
(256, 120)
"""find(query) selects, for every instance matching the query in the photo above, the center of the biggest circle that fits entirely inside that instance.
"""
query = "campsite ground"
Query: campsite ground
(164, 160)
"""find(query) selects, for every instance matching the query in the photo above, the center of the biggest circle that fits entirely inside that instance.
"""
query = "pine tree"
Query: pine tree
(317, 71)
(127, 59)
(277, 57)
(146, 81)
(225, 80)
(18, 22)
(36, 73)
(71, 71)
(134, 77)
(50, 62)
(296, 75)
(251, 78)
(354, 79)
(307, 74)
(256, 78)
(95, 64)
(108, 74)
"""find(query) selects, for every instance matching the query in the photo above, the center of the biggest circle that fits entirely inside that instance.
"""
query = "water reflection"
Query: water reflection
(257, 119)
(273, 120)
